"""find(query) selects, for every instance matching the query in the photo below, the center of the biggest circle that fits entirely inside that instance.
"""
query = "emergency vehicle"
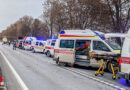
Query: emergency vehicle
(19, 44)
(27, 43)
(49, 48)
(76, 46)
(124, 61)
(4, 40)
(2, 84)
(38, 46)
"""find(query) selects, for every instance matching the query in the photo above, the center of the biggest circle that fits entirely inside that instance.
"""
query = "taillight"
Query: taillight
(120, 61)
(1, 81)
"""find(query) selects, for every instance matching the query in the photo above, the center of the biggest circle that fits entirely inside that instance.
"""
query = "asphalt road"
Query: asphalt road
(39, 72)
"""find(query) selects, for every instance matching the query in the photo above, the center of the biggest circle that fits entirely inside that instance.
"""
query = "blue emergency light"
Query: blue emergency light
(62, 32)
(41, 39)
(102, 37)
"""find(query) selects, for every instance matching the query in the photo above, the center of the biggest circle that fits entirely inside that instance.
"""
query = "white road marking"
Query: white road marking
(96, 79)
(20, 81)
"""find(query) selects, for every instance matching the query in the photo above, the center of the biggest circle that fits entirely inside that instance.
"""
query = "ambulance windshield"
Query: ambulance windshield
(113, 45)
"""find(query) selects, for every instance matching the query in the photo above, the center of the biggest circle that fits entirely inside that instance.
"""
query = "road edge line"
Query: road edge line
(96, 79)
(20, 81)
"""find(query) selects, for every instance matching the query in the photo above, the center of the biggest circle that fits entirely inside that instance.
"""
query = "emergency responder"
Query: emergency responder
(14, 45)
(9, 43)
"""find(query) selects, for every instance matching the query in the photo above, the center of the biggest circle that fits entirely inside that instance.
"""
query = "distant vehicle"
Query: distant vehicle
(49, 48)
(76, 46)
(124, 61)
(19, 44)
(38, 46)
(27, 43)
(4, 40)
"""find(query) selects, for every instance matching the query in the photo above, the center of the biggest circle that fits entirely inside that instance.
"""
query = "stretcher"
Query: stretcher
(103, 59)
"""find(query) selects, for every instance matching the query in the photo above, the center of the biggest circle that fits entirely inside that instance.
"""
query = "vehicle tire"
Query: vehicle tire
(48, 54)
(34, 51)
(109, 67)
(127, 81)
(114, 67)
(57, 62)
(60, 63)
(44, 51)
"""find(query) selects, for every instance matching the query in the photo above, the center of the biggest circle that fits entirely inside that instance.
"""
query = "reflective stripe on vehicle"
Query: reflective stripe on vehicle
(63, 51)
(49, 47)
(125, 60)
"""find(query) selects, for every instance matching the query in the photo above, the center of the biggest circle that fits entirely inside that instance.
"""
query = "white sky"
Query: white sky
(12, 10)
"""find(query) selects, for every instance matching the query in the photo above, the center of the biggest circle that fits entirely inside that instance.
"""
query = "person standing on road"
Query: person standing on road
(14, 45)
(9, 43)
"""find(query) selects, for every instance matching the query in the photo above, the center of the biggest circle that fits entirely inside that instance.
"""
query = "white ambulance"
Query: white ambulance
(124, 61)
(38, 46)
(70, 47)
(27, 43)
(49, 48)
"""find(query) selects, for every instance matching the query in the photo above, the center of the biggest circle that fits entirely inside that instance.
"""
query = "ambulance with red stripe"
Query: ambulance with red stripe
(49, 48)
(124, 61)
(27, 43)
(38, 46)
(75, 46)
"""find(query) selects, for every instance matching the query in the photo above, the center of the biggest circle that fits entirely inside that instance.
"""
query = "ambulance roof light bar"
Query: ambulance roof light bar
(78, 32)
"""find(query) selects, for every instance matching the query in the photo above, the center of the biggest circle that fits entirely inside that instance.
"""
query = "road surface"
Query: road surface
(39, 72)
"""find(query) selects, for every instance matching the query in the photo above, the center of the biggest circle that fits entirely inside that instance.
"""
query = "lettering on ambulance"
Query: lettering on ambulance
(63, 51)
(125, 60)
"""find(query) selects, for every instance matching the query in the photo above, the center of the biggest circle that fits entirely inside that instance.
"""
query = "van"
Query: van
(27, 43)
(49, 48)
(38, 46)
(75, 46)
(19, 44)
(124, 61)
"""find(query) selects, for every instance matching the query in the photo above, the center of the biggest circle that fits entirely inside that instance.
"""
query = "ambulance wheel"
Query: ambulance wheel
(113, 77)
(109, 67)
(34, 51)
(58, 62)
(127, 81)
(48, 54)
(44, 51)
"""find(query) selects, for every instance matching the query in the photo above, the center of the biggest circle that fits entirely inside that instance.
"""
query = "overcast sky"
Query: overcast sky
(12, 10)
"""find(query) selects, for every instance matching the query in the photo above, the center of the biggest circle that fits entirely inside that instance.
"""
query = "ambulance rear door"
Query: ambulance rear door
(125, 56)
(66, 51)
